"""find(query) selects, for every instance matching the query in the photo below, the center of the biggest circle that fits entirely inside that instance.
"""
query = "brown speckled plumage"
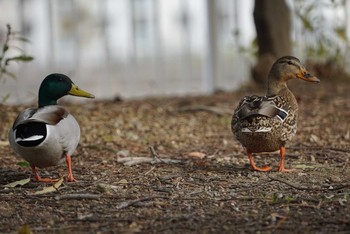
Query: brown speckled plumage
(265, 124)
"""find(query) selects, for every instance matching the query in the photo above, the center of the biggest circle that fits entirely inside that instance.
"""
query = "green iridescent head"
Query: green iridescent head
(55, 86)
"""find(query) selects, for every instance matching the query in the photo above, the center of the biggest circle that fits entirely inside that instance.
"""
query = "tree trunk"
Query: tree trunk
(272, 20)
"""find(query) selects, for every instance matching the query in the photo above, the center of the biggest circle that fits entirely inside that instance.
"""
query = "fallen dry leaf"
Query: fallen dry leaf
(4, 143)
(303, 166)
(17, 183)
(25, 229)
(50, 189)
(122, 181)
(198, 155)
(104, 188)
(314, 138)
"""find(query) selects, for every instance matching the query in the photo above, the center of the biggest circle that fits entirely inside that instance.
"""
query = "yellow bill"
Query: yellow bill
(76, 91)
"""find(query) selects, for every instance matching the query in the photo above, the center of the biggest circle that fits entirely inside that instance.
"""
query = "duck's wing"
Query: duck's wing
(24, 116)
(265, 106)
(32, 125)
(51, 115)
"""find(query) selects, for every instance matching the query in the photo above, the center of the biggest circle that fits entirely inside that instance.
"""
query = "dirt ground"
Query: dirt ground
(197, 179)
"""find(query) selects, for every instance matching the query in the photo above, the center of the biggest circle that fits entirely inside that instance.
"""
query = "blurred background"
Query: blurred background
(139, 48)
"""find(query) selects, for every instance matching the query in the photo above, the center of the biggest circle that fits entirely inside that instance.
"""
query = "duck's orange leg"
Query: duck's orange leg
(252, 164)
(39, 178)
(282, 155)
(70, 172)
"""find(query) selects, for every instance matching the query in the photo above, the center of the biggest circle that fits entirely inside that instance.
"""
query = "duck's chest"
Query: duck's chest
(45, 155)
(265, 134)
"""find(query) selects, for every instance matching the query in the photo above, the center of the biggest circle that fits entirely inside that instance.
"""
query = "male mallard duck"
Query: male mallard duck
(265, 124)
(47, 135)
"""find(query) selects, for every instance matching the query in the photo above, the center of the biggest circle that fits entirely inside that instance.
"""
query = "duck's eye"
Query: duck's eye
(290, 63)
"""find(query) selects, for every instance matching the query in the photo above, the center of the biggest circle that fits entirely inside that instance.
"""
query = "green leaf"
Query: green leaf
(22, 58)
(10, 74)
(22, 39)
(5, 48)
(23, 164)
(4, 98)
(307, 24)
(274, 198)
(289, 199)
(321, 50)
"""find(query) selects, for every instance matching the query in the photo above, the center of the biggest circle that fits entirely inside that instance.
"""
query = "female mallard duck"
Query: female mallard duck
(48, 135)
(265, 124)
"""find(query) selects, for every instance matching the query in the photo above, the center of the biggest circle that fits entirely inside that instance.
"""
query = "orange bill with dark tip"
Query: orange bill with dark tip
(307, 76)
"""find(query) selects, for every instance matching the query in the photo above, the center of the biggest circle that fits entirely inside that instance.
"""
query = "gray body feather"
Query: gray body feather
(62, 134)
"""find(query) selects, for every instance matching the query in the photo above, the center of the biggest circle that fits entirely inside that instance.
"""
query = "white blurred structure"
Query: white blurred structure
(136, 48)
(131, 48)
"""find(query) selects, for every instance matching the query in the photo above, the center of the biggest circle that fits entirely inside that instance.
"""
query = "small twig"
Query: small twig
(131, 161)
(320, 148)
(215, 153)
(308, 189)
(135, 201)
(290, 184)
(339, 187)
(237, 199)
(169, 177)
(304, 205)
(78, 196)
(154, 153)
(147, 172)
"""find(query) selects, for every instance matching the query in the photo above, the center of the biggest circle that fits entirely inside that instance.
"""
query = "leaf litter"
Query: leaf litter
(210, 188)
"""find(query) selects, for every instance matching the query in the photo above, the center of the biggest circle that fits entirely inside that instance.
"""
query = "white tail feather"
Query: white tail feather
(32, 138)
